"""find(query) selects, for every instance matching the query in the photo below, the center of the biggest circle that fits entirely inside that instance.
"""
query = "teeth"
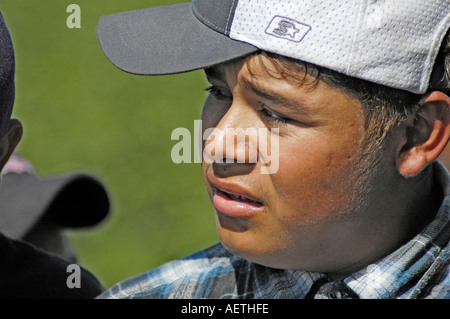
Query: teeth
(235, 197)
(240, 198)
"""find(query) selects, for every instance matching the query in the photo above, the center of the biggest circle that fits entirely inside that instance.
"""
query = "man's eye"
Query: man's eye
(272, 116)
(218, 93)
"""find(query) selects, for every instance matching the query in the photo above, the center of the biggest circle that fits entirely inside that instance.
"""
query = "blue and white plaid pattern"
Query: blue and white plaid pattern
(418, 269)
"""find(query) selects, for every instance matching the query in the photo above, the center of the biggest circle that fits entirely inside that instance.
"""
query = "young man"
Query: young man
(26, 271)
(351, 97)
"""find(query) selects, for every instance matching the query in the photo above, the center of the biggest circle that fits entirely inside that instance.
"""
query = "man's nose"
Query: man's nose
(232, 169)
(233, 150)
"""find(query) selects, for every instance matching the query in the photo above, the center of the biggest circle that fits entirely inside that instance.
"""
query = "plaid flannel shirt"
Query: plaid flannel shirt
(418, 269)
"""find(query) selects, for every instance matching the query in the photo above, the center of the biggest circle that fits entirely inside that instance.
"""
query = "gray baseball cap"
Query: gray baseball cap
(389, 42)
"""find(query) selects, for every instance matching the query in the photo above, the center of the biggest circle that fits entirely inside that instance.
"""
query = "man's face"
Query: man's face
(298, 216)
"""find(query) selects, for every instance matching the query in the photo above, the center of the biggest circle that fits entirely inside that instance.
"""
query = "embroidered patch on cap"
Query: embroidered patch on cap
(286, 28)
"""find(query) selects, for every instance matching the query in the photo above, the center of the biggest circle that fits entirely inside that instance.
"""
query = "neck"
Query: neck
(398, 213)
(425, 198)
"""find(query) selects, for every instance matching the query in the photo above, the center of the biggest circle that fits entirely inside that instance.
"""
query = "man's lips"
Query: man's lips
(234, 201)
(233, 195)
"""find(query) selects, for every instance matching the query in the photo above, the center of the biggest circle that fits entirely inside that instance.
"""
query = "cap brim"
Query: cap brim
(71, 200)
(164, 40)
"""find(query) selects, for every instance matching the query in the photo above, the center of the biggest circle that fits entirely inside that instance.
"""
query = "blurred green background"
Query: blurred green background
(80, 113)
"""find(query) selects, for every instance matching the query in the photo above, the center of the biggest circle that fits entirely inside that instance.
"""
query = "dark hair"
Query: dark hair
(7, 68)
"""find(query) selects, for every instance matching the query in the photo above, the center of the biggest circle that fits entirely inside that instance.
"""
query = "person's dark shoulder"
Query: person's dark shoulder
(28, 272)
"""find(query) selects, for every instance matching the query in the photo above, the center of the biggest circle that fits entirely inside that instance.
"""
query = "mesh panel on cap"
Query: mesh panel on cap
(390, 42)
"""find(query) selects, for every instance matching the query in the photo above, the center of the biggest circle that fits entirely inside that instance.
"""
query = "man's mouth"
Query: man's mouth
(239, 198)
(233, 201)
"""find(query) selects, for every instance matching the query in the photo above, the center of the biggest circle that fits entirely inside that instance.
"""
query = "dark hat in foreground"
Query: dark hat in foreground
(71, 200)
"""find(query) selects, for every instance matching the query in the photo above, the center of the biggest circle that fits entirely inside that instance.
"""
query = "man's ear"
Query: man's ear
(427, 134)
(10, 140)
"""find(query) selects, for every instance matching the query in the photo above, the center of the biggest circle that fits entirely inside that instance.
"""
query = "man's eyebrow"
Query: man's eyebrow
(276, 99)
(216, 73)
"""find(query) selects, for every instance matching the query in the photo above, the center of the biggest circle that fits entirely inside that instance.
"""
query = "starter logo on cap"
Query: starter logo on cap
(286, 28)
